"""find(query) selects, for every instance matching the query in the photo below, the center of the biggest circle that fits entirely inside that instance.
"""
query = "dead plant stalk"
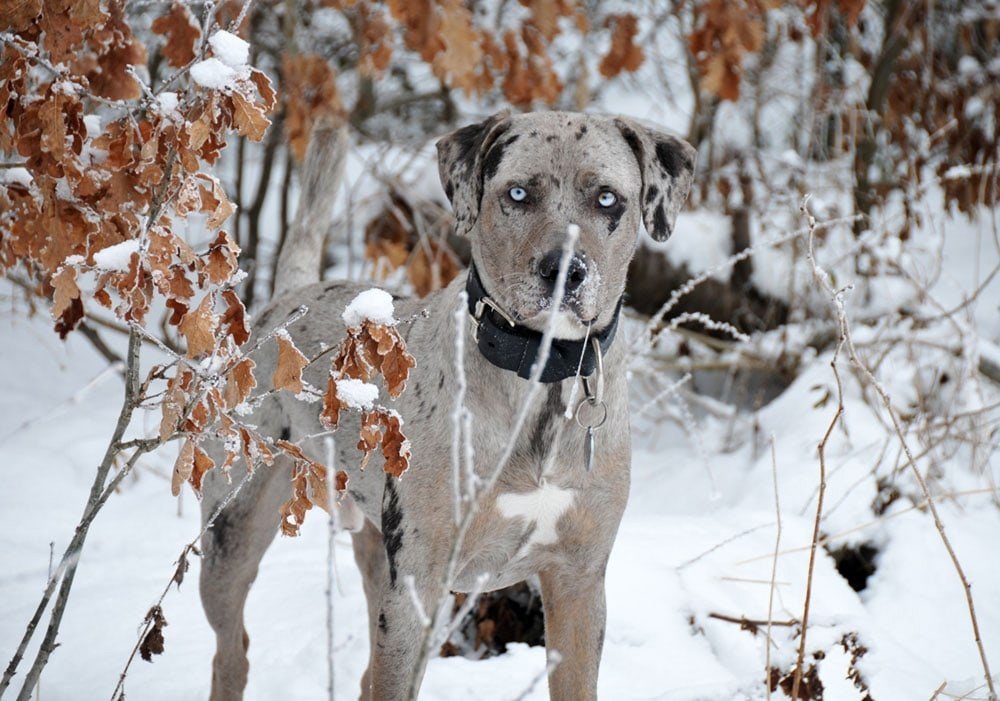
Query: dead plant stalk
(846, 341)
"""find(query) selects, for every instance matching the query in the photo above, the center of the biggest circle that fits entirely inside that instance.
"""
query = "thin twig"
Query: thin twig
(774, 572)
(70, 559)
(797, 678)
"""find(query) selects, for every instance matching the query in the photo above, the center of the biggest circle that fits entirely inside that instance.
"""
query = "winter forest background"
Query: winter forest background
(815, 354)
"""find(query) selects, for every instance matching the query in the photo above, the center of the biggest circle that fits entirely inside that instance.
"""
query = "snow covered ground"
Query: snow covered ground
(685, 551)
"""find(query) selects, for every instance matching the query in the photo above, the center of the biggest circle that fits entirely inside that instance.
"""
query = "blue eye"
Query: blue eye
(607, 199)
(518, 194)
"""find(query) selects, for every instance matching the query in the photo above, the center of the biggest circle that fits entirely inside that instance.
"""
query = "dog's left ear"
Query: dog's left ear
(667, 167)
(460, 159)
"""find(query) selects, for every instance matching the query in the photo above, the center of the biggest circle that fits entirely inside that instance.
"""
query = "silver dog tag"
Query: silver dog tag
(588, 449)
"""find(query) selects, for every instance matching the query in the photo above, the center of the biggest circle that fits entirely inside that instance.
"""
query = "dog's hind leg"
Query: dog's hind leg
(231, 552)
(369, 553)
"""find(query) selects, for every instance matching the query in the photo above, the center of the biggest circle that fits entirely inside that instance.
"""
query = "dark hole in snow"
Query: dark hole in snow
(511, 615)
(856, 564)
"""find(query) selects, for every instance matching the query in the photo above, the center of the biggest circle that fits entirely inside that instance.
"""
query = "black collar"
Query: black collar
(512, 347)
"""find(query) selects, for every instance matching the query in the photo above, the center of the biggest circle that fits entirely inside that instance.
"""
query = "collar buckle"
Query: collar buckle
(481, 305)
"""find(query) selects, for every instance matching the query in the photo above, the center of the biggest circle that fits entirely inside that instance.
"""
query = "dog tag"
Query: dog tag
(588, 449)
(590, 416)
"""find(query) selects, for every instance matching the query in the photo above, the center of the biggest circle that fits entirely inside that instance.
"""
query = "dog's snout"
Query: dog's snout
(576, 273)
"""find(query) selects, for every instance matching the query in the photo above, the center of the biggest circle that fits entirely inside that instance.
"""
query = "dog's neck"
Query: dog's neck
(510, 346)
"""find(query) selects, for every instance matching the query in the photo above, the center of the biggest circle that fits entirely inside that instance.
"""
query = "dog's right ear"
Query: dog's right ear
(460, 159)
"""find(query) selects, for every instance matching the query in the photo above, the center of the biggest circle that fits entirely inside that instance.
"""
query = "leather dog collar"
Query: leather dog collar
(510, 346)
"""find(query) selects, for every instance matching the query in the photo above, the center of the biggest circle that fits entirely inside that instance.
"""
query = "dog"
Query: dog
(516, 184)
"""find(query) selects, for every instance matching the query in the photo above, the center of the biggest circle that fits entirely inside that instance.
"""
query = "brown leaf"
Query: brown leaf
(396, 366)
(65, 293)
(20, 13)
(183, 467)
(198, 328)
(248, 118)
(202, 464)
(395, 447)
(174, 400)
(332, 405)
(462, 53)
(152, 643)
(288, 373)
(624, 54)
(182, 34)
(264, 88)
(240, 381)
(235, 318)
(221, 260)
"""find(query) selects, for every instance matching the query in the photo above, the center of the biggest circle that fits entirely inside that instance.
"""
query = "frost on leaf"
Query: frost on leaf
(198, 328)
(183, 467)
(67, 307)
(288, 373)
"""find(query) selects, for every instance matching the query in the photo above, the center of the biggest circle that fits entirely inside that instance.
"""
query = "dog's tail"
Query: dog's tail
(301, 254)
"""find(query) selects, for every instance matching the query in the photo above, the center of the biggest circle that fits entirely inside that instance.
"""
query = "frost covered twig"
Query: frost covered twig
(649, 336)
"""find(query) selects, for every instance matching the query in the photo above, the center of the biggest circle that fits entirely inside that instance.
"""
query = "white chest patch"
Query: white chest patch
(542, 507)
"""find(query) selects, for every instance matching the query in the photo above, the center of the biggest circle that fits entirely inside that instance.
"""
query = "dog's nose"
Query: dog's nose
(548, 270)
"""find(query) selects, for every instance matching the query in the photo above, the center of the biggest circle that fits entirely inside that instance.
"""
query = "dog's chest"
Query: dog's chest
(537, 511)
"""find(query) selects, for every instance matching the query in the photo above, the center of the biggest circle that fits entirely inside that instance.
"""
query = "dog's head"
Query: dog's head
(516, 183)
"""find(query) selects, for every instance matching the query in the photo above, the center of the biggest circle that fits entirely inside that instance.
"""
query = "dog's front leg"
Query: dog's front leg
(416, 548)
(574, 627)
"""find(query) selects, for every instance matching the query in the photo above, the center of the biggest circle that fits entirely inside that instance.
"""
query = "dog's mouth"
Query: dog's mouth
(572, 319)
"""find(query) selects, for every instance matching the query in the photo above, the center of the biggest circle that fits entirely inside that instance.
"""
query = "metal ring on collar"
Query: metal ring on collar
(594, 403)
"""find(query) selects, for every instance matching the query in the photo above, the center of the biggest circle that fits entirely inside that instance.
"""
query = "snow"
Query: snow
(116, 257)
(93, 124)
(373, 305)
(167, 103)
(213, 74)
(16, 176)
(357, 394)
(229, 48)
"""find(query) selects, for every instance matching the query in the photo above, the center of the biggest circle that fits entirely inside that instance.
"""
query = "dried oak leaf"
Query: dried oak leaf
(198, 328)
(152, 642)
(174, 401)
(21, 13)
(395, 446)
(240, 381)
(235, 318)
(291, 362)
(67, 307)
(221, 260)
(182, 34)
(330, 415)
(457, 63)
(248, 117)
(624, 54)
(202, 464)
(182, 467)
